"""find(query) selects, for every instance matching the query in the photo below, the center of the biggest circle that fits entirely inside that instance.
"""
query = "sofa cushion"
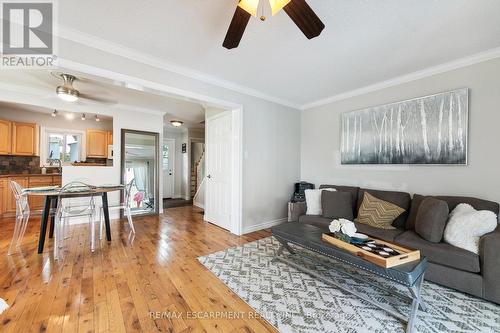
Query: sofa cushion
(378, 213)
(351, 189)
(316, 220)
(467, 225)
(387, 235)
(452, 201)
(313, 200)
(431, 219)
(336, 205)
(401, 199)
(441, 253)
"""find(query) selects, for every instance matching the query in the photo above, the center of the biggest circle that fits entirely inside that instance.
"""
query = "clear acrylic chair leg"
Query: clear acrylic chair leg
(26, 218)
(129, 218)
(92, 233)
(101, 222)
(15, 237)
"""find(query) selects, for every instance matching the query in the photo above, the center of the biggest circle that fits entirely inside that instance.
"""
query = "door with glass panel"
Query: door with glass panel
(140, 162)
(168, 160)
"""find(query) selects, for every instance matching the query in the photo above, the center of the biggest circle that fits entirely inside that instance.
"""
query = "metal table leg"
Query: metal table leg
(43, 224)
(415, 291)
(106, 215)
(53, 217)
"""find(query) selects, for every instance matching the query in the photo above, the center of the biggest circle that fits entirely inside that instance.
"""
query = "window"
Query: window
(66, 147)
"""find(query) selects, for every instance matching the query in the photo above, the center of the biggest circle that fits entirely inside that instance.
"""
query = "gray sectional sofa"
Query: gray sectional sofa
(478, 275)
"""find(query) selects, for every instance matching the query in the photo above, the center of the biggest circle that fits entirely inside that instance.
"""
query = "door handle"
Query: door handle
(209, 176)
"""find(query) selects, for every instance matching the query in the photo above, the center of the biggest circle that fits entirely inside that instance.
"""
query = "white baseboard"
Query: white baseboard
(263, 225)
(199, 205)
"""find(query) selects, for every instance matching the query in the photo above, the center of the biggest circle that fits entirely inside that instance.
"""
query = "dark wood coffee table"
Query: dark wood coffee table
(411, 274)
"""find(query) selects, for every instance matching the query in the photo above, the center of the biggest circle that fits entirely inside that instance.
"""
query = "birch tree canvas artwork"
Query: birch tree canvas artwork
(424, 130)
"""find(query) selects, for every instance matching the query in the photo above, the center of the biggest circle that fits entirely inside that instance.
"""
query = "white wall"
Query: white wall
(320, 144)
(270, 135)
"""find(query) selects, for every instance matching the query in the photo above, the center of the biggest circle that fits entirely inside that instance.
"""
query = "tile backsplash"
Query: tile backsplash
(19, 165)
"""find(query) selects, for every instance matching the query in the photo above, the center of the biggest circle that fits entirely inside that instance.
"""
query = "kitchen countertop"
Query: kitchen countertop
(29, 175)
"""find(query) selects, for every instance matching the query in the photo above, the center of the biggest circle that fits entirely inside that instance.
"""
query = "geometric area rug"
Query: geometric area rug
(293, 301)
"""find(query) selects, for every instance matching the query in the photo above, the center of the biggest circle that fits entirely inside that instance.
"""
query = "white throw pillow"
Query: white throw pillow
(466, 226)
(313, 201)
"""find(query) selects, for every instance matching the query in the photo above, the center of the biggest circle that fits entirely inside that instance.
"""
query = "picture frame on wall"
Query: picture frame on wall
(429, 130)
(184, 148)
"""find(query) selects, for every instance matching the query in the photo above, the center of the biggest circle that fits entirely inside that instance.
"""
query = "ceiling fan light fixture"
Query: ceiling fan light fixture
(176, 123)
(250, 6)
(54, 114)
(277, 5)
(67, 94)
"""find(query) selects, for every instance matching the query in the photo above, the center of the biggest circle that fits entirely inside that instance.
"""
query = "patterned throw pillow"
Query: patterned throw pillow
(378, 213)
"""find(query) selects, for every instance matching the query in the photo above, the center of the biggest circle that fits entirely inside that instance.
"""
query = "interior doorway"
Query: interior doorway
(168, 168)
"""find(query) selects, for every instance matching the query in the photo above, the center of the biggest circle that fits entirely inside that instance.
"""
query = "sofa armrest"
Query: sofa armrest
(295, 210)
(489, 251)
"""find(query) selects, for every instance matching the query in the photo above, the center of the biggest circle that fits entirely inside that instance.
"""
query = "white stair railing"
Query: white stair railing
(199, 197)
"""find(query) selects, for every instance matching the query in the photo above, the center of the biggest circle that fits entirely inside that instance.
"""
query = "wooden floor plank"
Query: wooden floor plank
(151, 282)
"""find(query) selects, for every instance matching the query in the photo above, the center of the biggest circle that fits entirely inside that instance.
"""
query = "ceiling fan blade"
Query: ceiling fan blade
(97, 99)
(304, 17)
(236, 28)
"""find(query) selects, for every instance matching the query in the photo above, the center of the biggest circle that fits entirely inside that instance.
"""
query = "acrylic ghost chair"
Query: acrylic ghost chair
(67, 208)
(125, 205)
(22, 215)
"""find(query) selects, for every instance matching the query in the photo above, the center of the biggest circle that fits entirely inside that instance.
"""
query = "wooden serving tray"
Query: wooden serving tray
(406, 255)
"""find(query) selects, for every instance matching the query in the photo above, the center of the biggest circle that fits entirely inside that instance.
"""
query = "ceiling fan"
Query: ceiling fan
(298, 10)
(68, 93)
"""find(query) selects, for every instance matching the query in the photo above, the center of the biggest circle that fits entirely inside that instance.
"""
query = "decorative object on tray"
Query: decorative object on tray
(424, 130)
(374, 250)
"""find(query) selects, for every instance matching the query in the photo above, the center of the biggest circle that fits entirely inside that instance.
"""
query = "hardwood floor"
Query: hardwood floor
(128, 285)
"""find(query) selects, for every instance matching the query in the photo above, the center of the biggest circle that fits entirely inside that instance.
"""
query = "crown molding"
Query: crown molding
(442, 68)
(125, 52)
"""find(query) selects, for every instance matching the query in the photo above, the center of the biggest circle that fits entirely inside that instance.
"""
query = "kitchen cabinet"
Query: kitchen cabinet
(25, 139)
(110, 138)
(19, 138)
(5, 137)
(37, 202)
(97, 143)
(8, 202)
(9, 199)
(2, 193)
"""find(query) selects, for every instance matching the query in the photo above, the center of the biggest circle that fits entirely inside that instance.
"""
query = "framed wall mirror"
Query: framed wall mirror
(139, 162)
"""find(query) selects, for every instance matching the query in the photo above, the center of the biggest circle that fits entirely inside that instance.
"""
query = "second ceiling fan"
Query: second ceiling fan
(298, 10)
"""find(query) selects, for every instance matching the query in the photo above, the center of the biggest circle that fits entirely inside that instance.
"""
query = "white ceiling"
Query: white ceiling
(365, 41)
(42, 83)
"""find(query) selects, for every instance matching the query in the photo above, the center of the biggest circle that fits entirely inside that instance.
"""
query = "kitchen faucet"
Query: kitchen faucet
(55, 160)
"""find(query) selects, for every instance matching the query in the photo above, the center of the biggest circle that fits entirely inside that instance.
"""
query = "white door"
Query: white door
(168, 160)
(218, 170)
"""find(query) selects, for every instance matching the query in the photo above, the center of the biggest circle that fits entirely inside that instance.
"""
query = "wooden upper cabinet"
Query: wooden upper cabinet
(5, 137)
(97, 145)
(110, 138)
(25, 139)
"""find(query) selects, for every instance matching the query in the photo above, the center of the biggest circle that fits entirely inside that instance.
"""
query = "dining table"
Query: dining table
(53, 195)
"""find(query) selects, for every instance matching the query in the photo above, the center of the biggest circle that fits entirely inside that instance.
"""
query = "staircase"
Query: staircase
(195, 178)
